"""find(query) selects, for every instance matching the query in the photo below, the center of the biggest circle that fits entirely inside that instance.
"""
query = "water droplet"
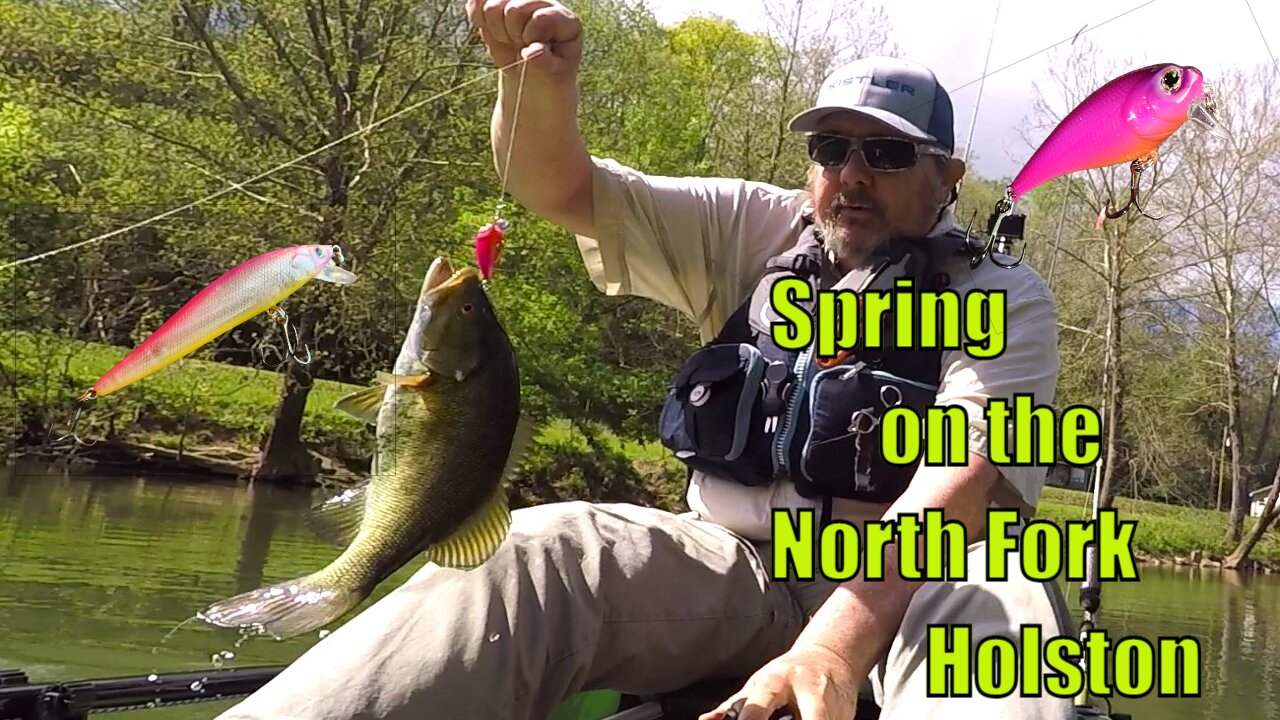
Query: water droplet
(197, 686)
(324, 634)
(228, 654)
(153, 678)
(216, 659)
(493, 638)
(151, 704)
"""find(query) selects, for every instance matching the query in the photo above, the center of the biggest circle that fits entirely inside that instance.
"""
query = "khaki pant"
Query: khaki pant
(586, 596)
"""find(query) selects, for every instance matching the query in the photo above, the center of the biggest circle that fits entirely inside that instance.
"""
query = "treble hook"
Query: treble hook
(281, 319)
(1003, 208)
(1135, 172)
(1015, 263)
(75, 421)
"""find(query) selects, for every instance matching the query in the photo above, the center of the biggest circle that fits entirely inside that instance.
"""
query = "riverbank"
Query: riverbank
(203, 417)
(200, 417)
(1167, 534)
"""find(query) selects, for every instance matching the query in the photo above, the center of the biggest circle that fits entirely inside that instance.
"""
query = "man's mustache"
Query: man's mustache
(843, 200)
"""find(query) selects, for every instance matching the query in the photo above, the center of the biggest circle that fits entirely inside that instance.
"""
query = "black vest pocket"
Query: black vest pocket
(840, 454)
(713, 416)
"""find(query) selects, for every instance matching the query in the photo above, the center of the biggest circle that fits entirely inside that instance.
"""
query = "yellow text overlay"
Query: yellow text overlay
(1045, 550)
(932, 549)
(935, 548)
(1037, 435)
(997, 667)
(843, 319)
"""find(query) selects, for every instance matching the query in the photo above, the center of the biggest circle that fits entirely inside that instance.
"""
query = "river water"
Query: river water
(96, 572)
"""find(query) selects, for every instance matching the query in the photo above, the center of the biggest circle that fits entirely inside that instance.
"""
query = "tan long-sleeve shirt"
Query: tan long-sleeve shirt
(700, 244)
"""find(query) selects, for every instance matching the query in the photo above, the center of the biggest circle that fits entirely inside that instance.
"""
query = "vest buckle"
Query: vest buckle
(777, 389)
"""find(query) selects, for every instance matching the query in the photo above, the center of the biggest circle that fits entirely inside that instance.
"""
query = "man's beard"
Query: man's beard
(847, 244)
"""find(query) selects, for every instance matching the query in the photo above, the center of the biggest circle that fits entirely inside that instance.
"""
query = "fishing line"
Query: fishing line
(511, 143)
(973, 122)
(523, 61)
(240, 185)
(1260, 33)
(1072, 39)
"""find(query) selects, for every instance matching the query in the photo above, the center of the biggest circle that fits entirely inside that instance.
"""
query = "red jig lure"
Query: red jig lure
(489, 241)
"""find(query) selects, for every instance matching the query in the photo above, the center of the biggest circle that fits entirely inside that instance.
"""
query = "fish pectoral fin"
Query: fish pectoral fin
(337, 520)
(362, 404)
(417, 381)
(478, 538)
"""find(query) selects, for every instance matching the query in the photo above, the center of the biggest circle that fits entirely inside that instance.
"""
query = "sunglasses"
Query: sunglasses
(887, 154)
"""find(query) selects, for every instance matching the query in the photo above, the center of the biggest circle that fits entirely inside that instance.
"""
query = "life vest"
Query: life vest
(748, 410)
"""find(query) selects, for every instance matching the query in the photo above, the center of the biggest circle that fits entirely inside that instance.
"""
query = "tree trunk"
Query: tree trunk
(1264, 433)
(1269, 516)
(283, 456)
(1239, 498)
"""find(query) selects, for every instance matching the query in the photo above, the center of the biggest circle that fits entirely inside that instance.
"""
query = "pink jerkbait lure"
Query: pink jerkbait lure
(1125, 120)
(254, 286)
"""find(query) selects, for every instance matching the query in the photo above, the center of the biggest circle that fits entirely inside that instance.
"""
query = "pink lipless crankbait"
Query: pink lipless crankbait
(1125, 120)
(255, 286)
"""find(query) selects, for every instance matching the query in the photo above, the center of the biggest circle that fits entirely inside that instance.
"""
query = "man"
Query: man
(638, 600)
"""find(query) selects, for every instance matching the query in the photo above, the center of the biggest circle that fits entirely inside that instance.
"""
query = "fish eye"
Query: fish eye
(1171, 80)
(319, 252)
(466, 309)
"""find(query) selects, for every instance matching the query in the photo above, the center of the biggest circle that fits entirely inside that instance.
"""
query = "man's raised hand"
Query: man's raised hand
(543, 30)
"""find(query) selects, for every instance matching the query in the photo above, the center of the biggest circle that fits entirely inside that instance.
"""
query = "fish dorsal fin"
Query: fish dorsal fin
(337, 520)
(362, 404)
(480, 536)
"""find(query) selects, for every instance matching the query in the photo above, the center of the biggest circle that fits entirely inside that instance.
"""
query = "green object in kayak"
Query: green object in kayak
(591, 705)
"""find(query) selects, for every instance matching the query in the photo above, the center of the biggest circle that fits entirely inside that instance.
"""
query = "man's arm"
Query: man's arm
(821, 673)
(860, 619)
(550, 169)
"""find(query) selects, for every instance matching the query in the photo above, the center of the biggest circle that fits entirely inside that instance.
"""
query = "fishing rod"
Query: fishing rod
(22, 700)
(1091, 589)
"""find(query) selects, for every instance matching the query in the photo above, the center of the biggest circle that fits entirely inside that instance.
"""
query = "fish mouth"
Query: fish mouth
(441, 277)
(439, 271)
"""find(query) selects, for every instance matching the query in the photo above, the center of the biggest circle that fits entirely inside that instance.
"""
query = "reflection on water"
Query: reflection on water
(96, 571)
(1237, 621)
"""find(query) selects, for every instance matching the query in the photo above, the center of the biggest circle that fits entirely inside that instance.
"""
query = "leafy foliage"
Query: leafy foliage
(113, 113)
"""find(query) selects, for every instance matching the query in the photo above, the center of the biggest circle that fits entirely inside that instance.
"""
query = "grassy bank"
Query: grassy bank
(204, 404)
(193, 401)
(1163, 531)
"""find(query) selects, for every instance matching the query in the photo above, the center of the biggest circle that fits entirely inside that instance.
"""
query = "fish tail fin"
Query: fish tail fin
(286, 609)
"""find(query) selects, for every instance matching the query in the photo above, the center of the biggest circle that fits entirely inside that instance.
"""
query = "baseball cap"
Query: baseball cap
(900, 93)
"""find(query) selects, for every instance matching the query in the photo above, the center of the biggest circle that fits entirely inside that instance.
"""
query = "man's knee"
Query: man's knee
(985, 608)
